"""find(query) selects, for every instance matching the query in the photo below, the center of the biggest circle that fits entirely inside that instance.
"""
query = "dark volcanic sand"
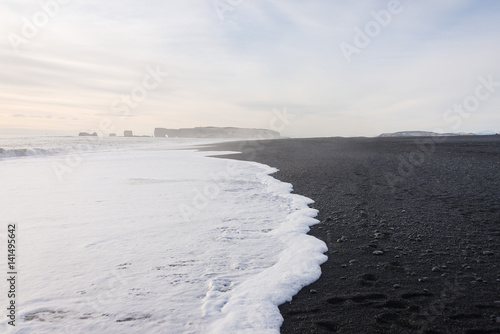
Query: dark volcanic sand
(435, 217)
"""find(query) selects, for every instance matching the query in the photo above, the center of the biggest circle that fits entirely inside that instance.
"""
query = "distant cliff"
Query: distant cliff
(422, 134)
(217, 132)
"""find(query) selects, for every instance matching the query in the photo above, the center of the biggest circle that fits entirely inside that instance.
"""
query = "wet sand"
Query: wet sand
(412, 226)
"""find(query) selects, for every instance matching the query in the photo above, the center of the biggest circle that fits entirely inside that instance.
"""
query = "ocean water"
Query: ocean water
(145, 235)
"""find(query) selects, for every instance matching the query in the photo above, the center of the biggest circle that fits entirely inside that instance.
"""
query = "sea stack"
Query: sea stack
(86, 134)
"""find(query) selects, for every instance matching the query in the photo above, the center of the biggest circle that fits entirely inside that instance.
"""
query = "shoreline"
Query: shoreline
(412, 226)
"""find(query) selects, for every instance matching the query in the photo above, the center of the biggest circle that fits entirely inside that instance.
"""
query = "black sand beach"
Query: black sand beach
(412, 226)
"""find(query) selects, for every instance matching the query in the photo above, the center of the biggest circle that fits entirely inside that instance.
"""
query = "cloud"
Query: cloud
(263, 55)
(31, 116)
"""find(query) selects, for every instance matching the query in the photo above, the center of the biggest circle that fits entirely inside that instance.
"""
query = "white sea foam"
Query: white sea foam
(155, 241)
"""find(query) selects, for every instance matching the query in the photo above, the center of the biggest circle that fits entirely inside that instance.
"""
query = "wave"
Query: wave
(25, 152)
(221, 243)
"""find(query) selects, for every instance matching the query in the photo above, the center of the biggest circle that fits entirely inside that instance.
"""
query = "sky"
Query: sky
(305, 68)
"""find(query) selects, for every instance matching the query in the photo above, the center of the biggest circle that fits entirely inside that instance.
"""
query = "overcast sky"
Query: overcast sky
(340, 68)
